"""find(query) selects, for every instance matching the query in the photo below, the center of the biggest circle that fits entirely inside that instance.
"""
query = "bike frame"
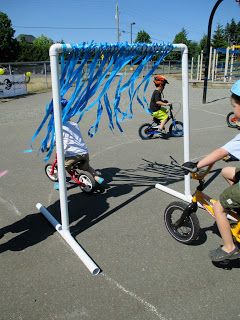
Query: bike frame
(71, 172)
(206, 202)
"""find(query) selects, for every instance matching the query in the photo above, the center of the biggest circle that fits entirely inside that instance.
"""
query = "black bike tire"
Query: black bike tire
(193, 220)
(171, 127)
(46, 167)
(140, 131)
(90, 177)
(229, 123)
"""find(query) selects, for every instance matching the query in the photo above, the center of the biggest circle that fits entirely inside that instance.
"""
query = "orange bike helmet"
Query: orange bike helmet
(159, 79)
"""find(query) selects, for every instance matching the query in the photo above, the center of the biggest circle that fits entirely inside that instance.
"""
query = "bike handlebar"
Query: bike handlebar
(196, 173)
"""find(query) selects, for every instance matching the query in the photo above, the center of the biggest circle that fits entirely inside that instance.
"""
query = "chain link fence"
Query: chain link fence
(41, 73)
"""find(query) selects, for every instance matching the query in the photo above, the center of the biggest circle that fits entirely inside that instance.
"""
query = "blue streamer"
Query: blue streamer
(88, 83)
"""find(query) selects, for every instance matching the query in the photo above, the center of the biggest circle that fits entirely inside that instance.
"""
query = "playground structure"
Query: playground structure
(111, 53)
(227, 70)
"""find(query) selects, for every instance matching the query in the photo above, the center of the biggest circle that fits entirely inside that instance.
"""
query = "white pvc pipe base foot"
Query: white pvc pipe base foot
(186, 198)
(80, 252)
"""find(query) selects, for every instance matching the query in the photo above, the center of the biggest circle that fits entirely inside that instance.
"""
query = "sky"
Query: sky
(161, 19)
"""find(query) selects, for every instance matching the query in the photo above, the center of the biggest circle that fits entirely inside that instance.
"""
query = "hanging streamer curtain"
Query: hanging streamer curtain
(87, 72)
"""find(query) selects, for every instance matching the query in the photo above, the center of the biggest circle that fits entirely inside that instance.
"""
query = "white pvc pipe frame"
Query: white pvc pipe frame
(63, 227)
(186, 196)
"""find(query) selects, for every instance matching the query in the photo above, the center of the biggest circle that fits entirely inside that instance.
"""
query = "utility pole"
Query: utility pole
(117, 22)
(132, 23)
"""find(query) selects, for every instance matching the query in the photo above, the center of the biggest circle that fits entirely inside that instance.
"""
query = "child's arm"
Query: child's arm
(211, 158)
(163, 104)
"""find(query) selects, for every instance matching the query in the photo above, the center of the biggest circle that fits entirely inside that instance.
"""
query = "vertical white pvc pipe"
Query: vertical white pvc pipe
(185, 99)
(192, 69)
(198, 65)
(213, 64)
(59, 139)
(231, 64)
(226, 65)
(210, 63)
(201, 63)
(216, 67)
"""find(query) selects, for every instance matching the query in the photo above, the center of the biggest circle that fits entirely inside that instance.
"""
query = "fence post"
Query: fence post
(201, 63)
(198, 65)
(226, 65)
(210, 63)
(216, 68)
(45, 72)
(10, 70)
(192, 69)
(231, 64)
(213, 64)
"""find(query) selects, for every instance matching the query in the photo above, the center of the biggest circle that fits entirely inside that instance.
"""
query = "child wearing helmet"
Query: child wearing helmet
(230, 197)
(157, 104)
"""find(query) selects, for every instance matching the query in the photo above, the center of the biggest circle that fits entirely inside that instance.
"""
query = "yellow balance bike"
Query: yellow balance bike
(180, 218)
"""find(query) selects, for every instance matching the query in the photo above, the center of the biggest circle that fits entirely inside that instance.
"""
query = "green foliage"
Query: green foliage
(143, 37)
(36, 51)
(219, 38)
(8, 45)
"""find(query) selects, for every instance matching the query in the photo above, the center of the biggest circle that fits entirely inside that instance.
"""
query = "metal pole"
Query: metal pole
(132, 23)
(10, 70)
(208, 50)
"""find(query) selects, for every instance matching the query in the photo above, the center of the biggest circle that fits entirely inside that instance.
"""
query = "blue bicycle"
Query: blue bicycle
(149, 130)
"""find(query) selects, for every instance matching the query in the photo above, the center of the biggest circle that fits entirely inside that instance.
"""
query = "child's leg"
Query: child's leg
(228, 173)
(223, 227)
(162, 124)
(86, 166)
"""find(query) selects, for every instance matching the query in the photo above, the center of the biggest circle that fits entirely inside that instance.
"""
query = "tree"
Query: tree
(203, 43)
(41, 47)
(8, 45)
(232, 32)
(181, 37)
(219, 38)
(143, 37)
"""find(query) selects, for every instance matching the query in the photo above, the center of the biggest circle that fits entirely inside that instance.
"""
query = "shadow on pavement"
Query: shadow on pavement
(87, 210)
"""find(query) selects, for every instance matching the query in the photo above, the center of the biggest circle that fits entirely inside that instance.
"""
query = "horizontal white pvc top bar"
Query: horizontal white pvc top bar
(112, 47)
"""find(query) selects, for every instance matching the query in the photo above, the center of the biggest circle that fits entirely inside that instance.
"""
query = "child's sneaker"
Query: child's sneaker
(99, 180)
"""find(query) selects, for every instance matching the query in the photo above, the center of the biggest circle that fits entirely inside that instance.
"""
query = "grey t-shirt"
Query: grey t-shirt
(233, 146)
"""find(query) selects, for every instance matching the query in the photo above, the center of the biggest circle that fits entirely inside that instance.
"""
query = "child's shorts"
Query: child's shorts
(230, 197)
(160, 114)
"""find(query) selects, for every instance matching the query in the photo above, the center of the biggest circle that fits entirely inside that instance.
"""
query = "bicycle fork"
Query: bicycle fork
(192, 207)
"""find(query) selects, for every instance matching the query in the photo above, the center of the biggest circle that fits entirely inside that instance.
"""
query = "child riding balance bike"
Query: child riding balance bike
(161, 115)
(76, 158)
(229, 199)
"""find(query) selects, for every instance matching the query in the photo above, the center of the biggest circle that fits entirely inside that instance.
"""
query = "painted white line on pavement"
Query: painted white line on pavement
(114, 146)
(146, 304)
(10, 205)
(202, 110)
(206, 128)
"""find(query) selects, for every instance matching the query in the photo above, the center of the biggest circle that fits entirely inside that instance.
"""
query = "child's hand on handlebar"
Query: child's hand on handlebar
(190, 167)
